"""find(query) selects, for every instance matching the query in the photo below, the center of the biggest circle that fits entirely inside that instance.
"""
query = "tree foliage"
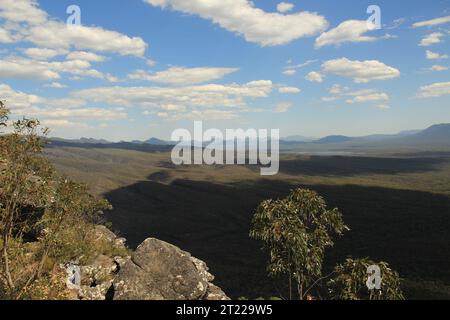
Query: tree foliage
(45, 219)
(349, 282)
(296, 231)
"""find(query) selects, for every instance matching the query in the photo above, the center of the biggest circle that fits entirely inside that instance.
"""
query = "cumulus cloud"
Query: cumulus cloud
(360, 71)
(434, 90)
(289, 90)
(187, 102)
(56, 85)
(182, 76)
(17, 100)
(254, 24)
(289, 72)
(26, 70)
(33, 24)
(79, 113)
(42, 53)
(435, 56)
(54, 34)
(437, 67)
(314, 76)
(150, 62)
(432, 38)
(22, 11)
(197, 115)
(337, 89)
(282, 107)
(368, 97)
(64, 110)
(347, 31)
(86, 56)
(63, 123)
(284, 7)
(291, 69)
(432, 22)
(5, 36)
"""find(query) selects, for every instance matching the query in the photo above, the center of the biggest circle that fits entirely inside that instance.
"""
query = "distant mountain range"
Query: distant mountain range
(435, 135)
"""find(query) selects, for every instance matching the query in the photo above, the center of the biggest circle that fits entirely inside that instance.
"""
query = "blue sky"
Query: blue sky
(136, 69)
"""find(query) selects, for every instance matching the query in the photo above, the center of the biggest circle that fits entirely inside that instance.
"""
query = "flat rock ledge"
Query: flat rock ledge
(156, 270)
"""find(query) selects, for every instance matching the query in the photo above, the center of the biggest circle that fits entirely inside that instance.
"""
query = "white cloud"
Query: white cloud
(347, 31)
(86, 56)
(337, 89)
(54, 34)
(291, 69)
(182, 76)
(172, 101)
(55, 112)
(432, 38)
(42, 53)
(56, 85)
(63, 123)
(432, 22)
(369, 97)
(150, 62)
(289, 90)
(435, 56)
(22, 11)
(282, 107)
(25, 70)
(314, 77)
(81, 113)
(360, 71)
(434, 90)
(34, 25)
(284, 7)
(437, 67)
(289, 72)
(329, 99)
(383, 106)
(254, 24)
(203, 115)
(5, 36)
(16, 100)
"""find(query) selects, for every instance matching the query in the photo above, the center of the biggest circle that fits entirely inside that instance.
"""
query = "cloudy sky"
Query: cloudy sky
(135, 69)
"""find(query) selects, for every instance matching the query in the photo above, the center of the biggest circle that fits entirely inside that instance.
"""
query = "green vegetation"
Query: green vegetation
(45, 219)
(296, 231)
(349, 282)
(397, 207)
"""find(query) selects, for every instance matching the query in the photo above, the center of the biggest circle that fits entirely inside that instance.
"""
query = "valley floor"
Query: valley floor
(398, 209)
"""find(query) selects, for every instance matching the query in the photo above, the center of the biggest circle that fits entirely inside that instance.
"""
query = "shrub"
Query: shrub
(45, 219)
(349, 282)
(296, 231)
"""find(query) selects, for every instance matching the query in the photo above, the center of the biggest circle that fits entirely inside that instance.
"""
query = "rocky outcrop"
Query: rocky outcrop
(155, 271)
(160, 271)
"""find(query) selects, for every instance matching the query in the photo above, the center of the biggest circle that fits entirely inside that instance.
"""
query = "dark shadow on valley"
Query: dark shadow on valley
(408, 229)
(351, 166)
(347, 166)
